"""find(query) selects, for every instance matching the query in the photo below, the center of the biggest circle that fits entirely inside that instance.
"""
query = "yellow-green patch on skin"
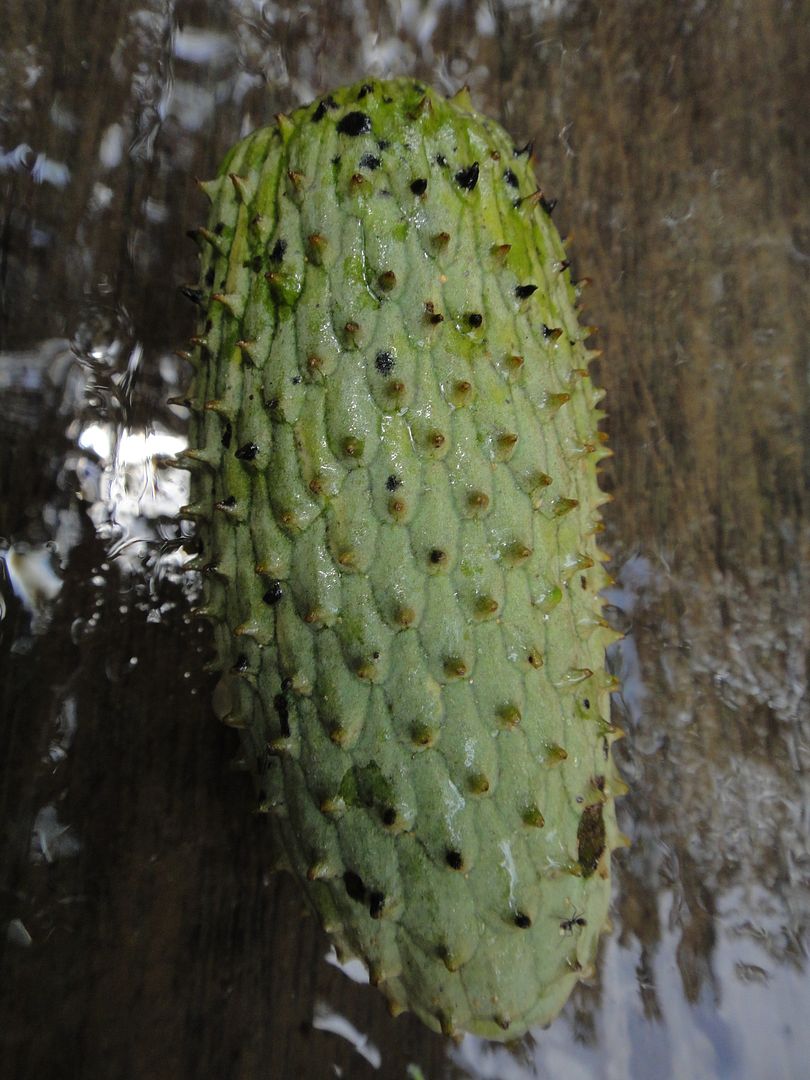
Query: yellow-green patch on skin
(398, 515)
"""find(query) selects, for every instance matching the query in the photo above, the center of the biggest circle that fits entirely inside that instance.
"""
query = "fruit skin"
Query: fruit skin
(394, 471)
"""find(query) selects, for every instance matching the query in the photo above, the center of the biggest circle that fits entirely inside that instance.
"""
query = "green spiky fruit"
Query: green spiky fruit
(395, 483)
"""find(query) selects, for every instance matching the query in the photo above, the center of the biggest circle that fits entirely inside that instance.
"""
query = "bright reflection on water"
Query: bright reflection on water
(703, 974)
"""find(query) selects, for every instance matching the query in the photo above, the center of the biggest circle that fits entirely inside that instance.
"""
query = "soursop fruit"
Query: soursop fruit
(394, 467)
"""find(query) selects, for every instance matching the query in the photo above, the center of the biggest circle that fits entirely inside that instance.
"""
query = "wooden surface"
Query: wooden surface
(675, 136)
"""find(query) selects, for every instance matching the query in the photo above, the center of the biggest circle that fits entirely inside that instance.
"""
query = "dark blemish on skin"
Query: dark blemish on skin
(283, 711)
(229, 503)
(336, 159)
(376, 902)
(523, 922)
(327, 103)
(510, 178)
(226, 434)
(383, 144)
(524, 291)
(475, 319)
(441, 161)
(247, 452)
(366, 88)
(209, 276)
(241, 663)
(277, 254)
(393, 482)
(369, 161)
(194, 295)
(274, 593)
(419, 187)
(454, 860)
(468, 178)
(384, 363)
(354, 123)
(296, 379)
(354, 886)
(219, 228)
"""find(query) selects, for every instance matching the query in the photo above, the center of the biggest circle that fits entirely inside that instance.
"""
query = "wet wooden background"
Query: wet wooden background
(676, 138)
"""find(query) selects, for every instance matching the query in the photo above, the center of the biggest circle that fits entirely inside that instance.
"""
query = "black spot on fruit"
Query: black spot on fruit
(384, 362)
(522, 921)
(454, 860)
(474, 318)
(277, 254)
(376, 902)
(393, 482)
(327, 103)
(369, 161)
(354, 886)
(523, 291)
(510, 178)
(468, 178)
(274, 593)
(247, 452)
(366, 88)
(194, 295)
(354, 123)
(419, 187)
(226, 434)
(283, 713)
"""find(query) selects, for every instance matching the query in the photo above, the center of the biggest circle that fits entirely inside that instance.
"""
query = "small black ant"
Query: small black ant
(567, 925)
